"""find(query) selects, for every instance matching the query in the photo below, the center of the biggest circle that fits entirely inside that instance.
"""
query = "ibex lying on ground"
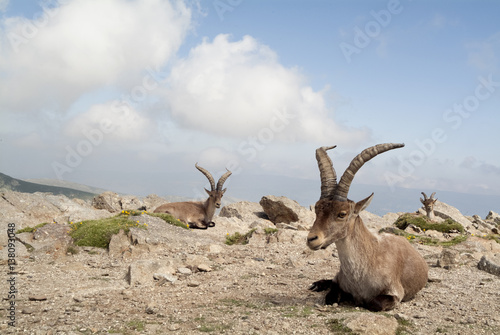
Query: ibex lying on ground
(379, 271)
(198, 214)
(429, 205)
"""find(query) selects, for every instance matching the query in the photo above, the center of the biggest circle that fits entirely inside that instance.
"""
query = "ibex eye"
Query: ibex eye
(342, 214)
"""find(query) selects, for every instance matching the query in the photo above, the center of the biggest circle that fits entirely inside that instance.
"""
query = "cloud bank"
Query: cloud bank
(84, 45)
(239, 88)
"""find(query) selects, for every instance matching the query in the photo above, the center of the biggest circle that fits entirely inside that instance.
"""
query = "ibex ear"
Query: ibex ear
(224, 190)
(361, 205)
(421, 200)
(208, 192)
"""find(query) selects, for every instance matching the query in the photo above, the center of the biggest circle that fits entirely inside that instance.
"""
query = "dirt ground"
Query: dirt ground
(258, 288)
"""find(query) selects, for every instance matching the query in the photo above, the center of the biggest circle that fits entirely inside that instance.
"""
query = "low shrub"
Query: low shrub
(424, 223)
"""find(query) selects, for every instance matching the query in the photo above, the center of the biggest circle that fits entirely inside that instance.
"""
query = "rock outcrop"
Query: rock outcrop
(282, 210)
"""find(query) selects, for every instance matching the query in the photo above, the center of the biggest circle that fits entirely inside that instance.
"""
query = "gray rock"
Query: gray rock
(449, 259)
(284, 210)
(129, 202)
(490, 264)
(167, 277)
(492, 216)
(184, 271)
(109, 201)
(118, 244)
(446, 211)
(141, 272)
(152, 201)
(243, 210)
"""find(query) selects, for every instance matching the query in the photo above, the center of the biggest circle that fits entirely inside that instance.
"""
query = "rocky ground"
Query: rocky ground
(171, 280)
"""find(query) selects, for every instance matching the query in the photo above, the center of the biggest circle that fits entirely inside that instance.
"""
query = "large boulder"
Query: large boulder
(152, 201)
(244, 210)
(109, 201)
(284, 210)
(492, 216)
(490, 264)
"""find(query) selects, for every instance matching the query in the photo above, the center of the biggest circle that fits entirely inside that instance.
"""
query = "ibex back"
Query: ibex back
(377, 271)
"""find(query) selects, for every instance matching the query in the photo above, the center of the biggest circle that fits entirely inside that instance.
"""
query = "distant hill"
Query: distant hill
(67, 184)
(13, 184)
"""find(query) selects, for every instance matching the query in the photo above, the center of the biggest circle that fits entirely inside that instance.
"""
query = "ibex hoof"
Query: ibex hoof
(211, 224)
(321, 285)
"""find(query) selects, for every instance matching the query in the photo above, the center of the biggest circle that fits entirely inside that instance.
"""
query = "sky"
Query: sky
(128, 95)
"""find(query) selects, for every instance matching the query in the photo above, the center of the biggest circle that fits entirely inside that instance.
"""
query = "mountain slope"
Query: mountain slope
(13, 184)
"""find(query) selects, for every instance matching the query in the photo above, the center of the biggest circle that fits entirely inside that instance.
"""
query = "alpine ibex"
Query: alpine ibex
(198, 214)
(377, 271)
(429, 205)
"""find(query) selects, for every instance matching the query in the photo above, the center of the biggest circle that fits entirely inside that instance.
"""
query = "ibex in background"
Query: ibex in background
(377, 271)
(429, 205)
(198, 214)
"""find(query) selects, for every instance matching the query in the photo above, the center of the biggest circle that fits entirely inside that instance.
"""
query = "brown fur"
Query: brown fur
(376, 271)
(429, 205)
(198, 214)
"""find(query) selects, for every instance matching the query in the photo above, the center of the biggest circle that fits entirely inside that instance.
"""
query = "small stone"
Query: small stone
(184, 271)
(193, 284)
(37, 298)
(204, 268)
(165, 278)
(151, 308)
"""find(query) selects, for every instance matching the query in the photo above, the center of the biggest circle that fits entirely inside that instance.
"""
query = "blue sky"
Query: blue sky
(128, 95)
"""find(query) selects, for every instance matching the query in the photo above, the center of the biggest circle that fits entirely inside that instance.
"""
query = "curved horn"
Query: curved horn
(425, 196)
(208, 175)
(357, 163)
(432, 195)
(326, 172)
(223, 179)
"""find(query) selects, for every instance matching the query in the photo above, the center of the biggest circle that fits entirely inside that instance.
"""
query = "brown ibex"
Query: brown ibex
(198, 214)
(429, 205)
(377, 271)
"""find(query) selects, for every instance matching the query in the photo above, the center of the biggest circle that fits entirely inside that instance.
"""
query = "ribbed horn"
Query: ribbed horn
(432, 195)
(208, 175)
(222, 179)
(326, 172)
(425, 196)
(358, 161)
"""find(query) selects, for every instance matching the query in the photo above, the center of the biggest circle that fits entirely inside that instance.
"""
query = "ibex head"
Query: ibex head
(335, 214)
(216, 193)
(428, 202)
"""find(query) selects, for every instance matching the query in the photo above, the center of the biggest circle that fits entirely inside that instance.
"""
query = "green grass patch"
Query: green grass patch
(296, 311)
(238, 238)
(270, 231)
(404, 326)
(337, 327)
(494, 237)
(424, 223)
(425, 240)
(169, 219)
(31, 229)
(97, 233)
(136, 325)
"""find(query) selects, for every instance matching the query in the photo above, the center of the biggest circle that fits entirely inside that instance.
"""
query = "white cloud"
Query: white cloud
(84, 45)
(110, 121)
(240, 89)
